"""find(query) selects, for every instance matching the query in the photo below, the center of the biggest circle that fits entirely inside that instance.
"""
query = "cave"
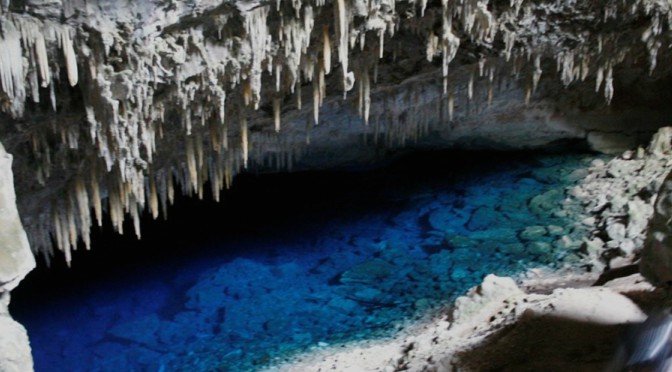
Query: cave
(355, 185)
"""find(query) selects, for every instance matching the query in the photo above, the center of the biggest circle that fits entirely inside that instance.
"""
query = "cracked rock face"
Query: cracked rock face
(16, 260)
(112, 107)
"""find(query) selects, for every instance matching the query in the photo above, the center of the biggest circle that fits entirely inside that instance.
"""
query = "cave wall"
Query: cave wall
(112, 107)
(16, 261)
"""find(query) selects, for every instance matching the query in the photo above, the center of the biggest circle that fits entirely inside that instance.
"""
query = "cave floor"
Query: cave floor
(342, 262)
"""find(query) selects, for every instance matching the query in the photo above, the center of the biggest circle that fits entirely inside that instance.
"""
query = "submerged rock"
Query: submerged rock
(532, 233)
(142, 331)
(483, 218)
(459, 241)
(543, 204)
(368, 272)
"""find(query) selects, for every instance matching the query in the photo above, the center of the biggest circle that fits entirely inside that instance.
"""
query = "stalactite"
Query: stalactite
(367, 94)
(244, 141)
(381, 43)
(70, 57)
(608, 85)
(341, 27)
(321, 82)
(84, 211)
(71, 223)
(451, 106)
(136, 86)
(11, 66)
(599, 77)
(316, 102)
(153, 197)
(326, 49)
(170, 187)
(135, 216)
(56, 223)
(162, 187)
(276, 113)
(528, 93)
(191, 163)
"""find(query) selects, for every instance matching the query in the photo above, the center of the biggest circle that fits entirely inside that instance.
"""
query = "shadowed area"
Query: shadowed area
(546, 343)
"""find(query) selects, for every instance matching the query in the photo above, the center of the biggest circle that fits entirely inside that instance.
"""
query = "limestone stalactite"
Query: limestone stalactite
(135, 75)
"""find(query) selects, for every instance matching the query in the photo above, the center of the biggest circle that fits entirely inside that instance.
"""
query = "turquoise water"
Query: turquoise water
(291, 262)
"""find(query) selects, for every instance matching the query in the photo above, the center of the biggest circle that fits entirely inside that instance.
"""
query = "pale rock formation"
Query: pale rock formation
(16, 260)
(15, 353)
(617, 198)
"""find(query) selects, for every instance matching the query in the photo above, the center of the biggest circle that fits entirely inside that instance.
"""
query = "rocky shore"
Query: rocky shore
(567, 317)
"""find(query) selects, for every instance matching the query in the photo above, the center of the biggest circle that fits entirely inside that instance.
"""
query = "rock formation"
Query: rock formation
(16, 260)
(112, 108)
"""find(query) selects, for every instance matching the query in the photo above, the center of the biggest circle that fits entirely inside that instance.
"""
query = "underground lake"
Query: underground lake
(293, 262)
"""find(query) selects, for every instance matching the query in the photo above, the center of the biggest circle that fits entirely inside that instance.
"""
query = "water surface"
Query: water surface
(290, 262)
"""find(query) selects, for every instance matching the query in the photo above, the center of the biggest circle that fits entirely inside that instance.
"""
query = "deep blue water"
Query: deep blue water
(290, 262)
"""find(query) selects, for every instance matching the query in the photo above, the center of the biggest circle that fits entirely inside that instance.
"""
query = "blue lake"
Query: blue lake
(290, 262)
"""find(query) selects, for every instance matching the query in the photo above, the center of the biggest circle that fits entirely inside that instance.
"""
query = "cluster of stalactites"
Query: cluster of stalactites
(24, 36)
(199, 74)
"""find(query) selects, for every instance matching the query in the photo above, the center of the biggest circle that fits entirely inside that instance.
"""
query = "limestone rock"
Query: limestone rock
(368, 272)
(15, 354)
(539, 248)
(482, 218)
(544, 203)
(656, 261)
(555, 230)
(493, 290)
(459, 241)
(661, 143)
(369, 296)
(441, 218)
(533, 233)
(616, 231)
(639, 213)
(16, 259)
(499, 234)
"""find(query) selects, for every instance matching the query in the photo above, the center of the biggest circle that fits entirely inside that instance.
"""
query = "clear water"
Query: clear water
(287, 263)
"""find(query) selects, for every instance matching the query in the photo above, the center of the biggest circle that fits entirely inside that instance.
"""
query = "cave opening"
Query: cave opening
(292, 261)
